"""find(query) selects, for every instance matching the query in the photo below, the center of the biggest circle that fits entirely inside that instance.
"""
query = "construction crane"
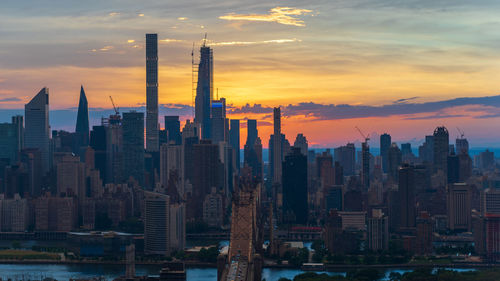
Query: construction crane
(114, 107)
(462, 134)
(366, 137)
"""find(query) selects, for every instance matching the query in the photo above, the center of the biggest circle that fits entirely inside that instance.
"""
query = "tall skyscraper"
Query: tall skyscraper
(253, 149)
(218, 122)
(378, 231)
(441, 148)
(152, 130)
(37, 132)
(234, 141)
(394, 158)
(406, 192)
(204, 91)
(173, 129)
(295, 188)
(346, 156)
(133, 145)
(462, 146)
(277, 147)
(385, 143)
(11, 139)
(82, 121)
(365, 162)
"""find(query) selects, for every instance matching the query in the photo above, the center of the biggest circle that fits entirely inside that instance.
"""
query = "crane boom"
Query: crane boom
(367, 138)
(462, 134)
(114, 107)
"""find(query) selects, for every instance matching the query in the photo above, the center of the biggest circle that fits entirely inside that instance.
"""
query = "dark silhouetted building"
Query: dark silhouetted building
(173, 129)
(441, 148)
(295, 209)
(406, 192)
(133, 145)
(459, 197)
(385, 143)
(152, 129)
(204, 91)
(37, 132)
(82, 122)
(234, 141)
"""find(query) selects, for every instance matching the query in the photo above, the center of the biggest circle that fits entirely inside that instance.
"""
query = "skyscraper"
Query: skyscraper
(37, 132)
(204, 91)
(173, 129)
(218, 122)
(406, 192)
(234, 141)
(82, 121)
(441, 148)
(133, 145)
(385, 143)
(277, 146)
(365, 162)
(152, 130)
(462, 146)
(301, 142)
(345, 155)
(295, 188)
(459, 206)
(253, 149)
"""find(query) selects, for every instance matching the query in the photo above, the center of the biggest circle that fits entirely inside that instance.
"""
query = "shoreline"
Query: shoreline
(328, 267)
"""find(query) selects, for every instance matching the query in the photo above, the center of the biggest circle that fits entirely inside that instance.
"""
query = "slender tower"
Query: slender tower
(277, 146)
(152, 130)
(82, 120)
(204, 91)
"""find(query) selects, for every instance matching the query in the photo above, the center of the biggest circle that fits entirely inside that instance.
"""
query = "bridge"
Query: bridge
(243, 261)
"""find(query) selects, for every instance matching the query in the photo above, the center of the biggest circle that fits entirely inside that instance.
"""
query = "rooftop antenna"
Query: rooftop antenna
(217, 93)
(205, 40)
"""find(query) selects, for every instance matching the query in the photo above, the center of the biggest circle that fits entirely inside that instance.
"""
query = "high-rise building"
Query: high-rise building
(204, 91)
(37, 132)
(346, 156)
(462, 146)
(426, 150)
(385, 143)
(11, 139)
(406, 195)
(453, 167)
(152, 130)
(157, 224)
(378, 231)
(71, 176)
(133, 145)
(459, 197)
(277, 147)
(218, 122)
(441, 148)
(394, 158)
(333, 198)
(365, 164)
(301, 142)
(82, 122)
(173, 129)
(405, 148)
(295, 209)
(234, 141)
(252, 153)
(424, 234)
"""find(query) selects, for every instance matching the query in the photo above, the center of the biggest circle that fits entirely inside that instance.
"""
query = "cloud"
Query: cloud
(113, 14)
(170, 40)
(405, 100)
(281, 15)
(12, 99)
(318, 111)
(182, 18)
(243, 43)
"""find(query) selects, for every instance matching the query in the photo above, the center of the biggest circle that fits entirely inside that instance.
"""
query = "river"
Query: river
(65, 272)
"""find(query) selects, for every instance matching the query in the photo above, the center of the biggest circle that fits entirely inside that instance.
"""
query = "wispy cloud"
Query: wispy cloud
(182, 18)
(242, 43)
(281, 15)
(113, 14)
(11, 99)
(170, 40)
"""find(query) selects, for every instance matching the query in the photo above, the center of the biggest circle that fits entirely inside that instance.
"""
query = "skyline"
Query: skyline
(301, 55)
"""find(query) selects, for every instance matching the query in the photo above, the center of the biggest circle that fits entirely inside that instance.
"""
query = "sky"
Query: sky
(402, 67)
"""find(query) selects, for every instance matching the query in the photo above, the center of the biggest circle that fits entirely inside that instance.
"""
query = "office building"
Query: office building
(133, 145)
(218, 122)
(394, 159)
(82, 122)
(346, 156)
(301, 142)
(406, 196)
(295, 196)
(204, 91)
(173, 129)
(385, 143)
(234, 141)
(152, 129)
(441, 148)
(277, 147)
(459, 197)
(378, 231)
(37, 128)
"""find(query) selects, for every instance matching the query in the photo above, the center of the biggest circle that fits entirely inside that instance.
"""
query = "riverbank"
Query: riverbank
(194, 264)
